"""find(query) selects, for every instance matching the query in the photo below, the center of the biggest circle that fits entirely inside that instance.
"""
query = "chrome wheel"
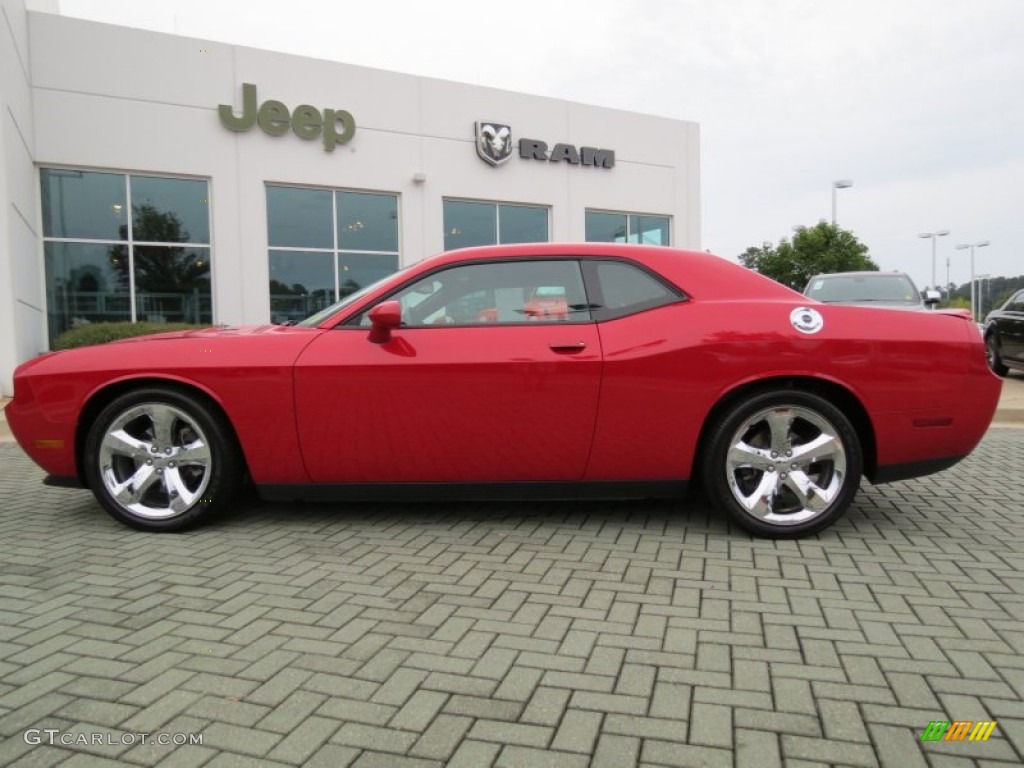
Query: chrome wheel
(786, 465)
(155, 460)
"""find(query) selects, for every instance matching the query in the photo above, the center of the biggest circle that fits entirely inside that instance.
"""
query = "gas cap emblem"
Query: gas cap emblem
(806, 320)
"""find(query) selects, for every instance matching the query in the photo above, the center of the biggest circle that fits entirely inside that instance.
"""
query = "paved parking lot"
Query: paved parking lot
(601, 634)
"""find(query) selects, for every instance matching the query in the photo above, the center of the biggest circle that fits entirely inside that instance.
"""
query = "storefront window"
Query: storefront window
(326, 244)
(469, 223)
(97, 267)
(613, 227)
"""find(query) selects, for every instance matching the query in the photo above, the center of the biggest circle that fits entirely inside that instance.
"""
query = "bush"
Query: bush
(101, 333)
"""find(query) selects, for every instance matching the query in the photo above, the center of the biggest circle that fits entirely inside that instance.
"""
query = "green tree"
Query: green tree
(822, 248)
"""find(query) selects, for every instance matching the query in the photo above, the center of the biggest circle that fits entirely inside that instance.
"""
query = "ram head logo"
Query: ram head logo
(494, 142)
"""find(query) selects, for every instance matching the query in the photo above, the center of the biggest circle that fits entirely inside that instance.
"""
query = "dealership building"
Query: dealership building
(149, 176)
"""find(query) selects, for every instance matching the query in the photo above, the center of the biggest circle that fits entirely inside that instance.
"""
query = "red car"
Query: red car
(666, 367)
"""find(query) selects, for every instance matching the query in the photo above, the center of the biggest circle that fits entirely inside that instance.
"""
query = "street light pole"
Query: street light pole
(839, 184)
(933, 235)
(972, 246)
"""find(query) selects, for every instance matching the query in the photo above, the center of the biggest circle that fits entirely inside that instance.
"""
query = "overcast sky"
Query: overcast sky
(919, 102)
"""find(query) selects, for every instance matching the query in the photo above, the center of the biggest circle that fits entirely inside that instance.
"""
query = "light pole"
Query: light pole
(982, 294)
(972, 246)
(933, 235)
(840, 184)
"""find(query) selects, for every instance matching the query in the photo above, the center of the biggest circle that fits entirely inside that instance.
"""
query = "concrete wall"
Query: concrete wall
(112, 98)
(22, 319)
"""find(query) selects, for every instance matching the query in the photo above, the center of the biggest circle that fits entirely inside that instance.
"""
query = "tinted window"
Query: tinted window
(496, 293)
(615, 227)
(468, 223)
(1016, 304)
(884, 289)
(626, 288)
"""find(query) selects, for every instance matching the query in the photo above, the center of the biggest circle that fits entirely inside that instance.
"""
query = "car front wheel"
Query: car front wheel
(783, 464)
(159, 459)
(992, 355)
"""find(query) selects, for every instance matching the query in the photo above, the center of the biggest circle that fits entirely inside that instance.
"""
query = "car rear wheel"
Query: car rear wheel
(159, 459)
(783, 464)
(992, 355)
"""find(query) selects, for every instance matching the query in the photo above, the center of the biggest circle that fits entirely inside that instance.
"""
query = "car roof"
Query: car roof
(697, 272)
(864, 273)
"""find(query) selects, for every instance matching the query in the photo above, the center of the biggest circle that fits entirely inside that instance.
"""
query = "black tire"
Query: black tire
(175, 458)
(761, 491)
(995, 363)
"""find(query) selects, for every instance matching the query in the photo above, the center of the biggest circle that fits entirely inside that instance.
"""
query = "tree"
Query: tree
(822, 248)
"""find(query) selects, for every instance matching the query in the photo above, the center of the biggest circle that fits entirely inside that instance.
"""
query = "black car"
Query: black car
(1004, 336)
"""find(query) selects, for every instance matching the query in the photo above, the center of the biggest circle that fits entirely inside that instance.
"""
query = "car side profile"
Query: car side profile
(543, 370)
(1004, 336)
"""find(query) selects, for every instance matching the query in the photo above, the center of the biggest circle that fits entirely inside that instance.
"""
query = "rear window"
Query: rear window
(888, 289)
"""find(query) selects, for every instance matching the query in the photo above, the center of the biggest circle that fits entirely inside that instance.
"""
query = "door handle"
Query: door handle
(572, 346)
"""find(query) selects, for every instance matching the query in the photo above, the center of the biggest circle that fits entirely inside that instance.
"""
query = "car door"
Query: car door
(470, 388)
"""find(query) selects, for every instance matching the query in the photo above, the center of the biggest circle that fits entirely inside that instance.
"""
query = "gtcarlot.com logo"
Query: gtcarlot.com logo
(57, 738)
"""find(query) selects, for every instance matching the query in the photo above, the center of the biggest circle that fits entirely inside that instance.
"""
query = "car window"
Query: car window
(626, 288)
(1016, 304)
(502, 293)
(888, 289)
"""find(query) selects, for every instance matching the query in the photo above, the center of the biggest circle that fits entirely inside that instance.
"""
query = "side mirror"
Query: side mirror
(385, 317)
(931, 298)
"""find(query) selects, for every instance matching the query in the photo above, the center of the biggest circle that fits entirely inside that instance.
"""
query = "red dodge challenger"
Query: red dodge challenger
(663, 367)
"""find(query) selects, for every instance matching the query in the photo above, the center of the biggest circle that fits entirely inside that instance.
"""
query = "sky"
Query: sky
(920, 103)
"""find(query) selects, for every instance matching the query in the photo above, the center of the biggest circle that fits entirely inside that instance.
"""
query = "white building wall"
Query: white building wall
(22, 322)
(112, 98)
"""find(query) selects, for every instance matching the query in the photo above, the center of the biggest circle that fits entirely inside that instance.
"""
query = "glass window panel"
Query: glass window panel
(627, 288)
(522, 224)
(301, 284)
(170, 210)
(367, 222)
(172, 284)
(85, 205)
(500, 292)
(358, 270)
(85, 283)
(467, 224)
(299, 218)
(604, 227)
(649, 230)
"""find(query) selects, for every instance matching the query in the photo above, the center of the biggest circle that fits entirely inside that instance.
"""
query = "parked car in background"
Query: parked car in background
(874, 289)
(1004, 336)
(594, 370)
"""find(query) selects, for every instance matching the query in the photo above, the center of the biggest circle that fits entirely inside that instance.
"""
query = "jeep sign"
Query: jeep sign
(306, 122)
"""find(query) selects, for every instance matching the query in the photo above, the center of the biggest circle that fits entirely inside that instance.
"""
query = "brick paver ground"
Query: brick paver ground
(600, 634)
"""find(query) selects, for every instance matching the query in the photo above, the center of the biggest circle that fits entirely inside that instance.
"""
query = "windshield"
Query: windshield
(314, 320)
(854, 289)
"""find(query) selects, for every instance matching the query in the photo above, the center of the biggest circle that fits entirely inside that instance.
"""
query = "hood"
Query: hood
(217, 332)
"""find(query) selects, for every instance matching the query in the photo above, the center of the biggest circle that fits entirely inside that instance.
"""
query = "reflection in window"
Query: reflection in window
(85, 283)
(471, 223)
(326, 244)
(84, 205)
(98, 270)
(613, 227)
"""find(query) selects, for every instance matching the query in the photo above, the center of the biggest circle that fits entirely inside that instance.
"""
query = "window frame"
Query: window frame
(356, 320)
(496, 205)
(130, 242)
(591, 286)
(630, 217)
(336, 253)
